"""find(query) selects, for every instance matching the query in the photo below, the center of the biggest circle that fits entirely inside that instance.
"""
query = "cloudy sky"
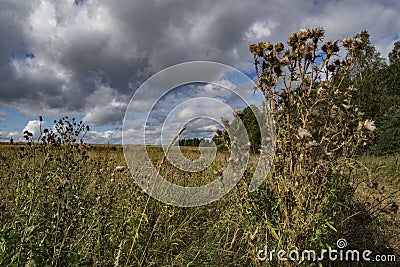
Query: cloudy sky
(86, 58)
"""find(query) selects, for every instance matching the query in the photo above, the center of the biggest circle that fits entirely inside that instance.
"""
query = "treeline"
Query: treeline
(221, 137)
(378, 95)
(194, 142)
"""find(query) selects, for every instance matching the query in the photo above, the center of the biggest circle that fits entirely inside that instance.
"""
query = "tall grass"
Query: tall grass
(92, 218)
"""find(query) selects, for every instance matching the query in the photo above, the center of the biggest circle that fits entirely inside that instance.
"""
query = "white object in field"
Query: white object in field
(120, 168)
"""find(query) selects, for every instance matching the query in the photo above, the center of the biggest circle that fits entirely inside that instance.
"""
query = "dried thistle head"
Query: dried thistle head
(284, 60)
(237, 112)
(303, 35)
(293, 39)
(303, 133)
(252, 48)
(320, 91)
(317, 34)
(279, 47)
(266, 46)
(330, 47)
(369, 125)
(347, 42)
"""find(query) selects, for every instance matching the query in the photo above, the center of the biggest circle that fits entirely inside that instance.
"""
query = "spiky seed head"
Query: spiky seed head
(303, 133)
(369, 125)
(279, 47)
(293, 38)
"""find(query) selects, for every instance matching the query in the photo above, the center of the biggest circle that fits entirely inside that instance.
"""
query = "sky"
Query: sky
(87, 58)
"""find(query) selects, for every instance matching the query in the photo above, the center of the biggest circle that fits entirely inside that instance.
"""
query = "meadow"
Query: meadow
(69, 206)
(67, 203)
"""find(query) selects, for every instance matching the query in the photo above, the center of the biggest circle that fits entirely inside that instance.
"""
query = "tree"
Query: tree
(249, 120)
(387, 116)
(221, 140)
(365, 76)
(193, 142)
(377, 92)
(252, 128)
(394, 56)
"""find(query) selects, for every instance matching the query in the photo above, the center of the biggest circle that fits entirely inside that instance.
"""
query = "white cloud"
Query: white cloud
(260, 31)
(104, 137)
(6, 136)
(34, 127)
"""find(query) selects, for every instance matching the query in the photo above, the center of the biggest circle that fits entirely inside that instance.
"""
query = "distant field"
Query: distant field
(70, 206)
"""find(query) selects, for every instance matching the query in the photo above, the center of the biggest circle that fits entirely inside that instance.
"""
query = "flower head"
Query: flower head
(347, 42)
(279, 47)
(303, 133)
(120, 168)
(369, 125)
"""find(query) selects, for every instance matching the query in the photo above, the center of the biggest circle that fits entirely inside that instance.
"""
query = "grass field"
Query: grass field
(70, 207)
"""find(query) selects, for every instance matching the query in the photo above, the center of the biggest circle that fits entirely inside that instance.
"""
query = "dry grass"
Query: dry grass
(91, 219)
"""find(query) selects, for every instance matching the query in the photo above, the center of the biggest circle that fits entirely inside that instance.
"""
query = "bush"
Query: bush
(319, 134)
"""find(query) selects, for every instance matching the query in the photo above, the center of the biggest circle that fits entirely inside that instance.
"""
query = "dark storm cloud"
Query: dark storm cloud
(59, 54)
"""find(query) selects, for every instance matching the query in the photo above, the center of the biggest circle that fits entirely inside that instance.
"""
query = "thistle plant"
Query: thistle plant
(55, 166)
(319, 134)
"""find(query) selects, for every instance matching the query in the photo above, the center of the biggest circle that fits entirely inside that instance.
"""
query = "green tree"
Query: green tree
(221, 140)
(387, 139)
(249, 120)
(394, 56)
(377, 92)
(365, 76)
(253, 129)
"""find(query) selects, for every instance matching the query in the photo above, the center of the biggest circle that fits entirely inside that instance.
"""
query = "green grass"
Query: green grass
(380, 197)
(70, 207)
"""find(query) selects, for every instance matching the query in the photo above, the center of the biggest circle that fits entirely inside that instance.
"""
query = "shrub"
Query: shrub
(318, 136)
